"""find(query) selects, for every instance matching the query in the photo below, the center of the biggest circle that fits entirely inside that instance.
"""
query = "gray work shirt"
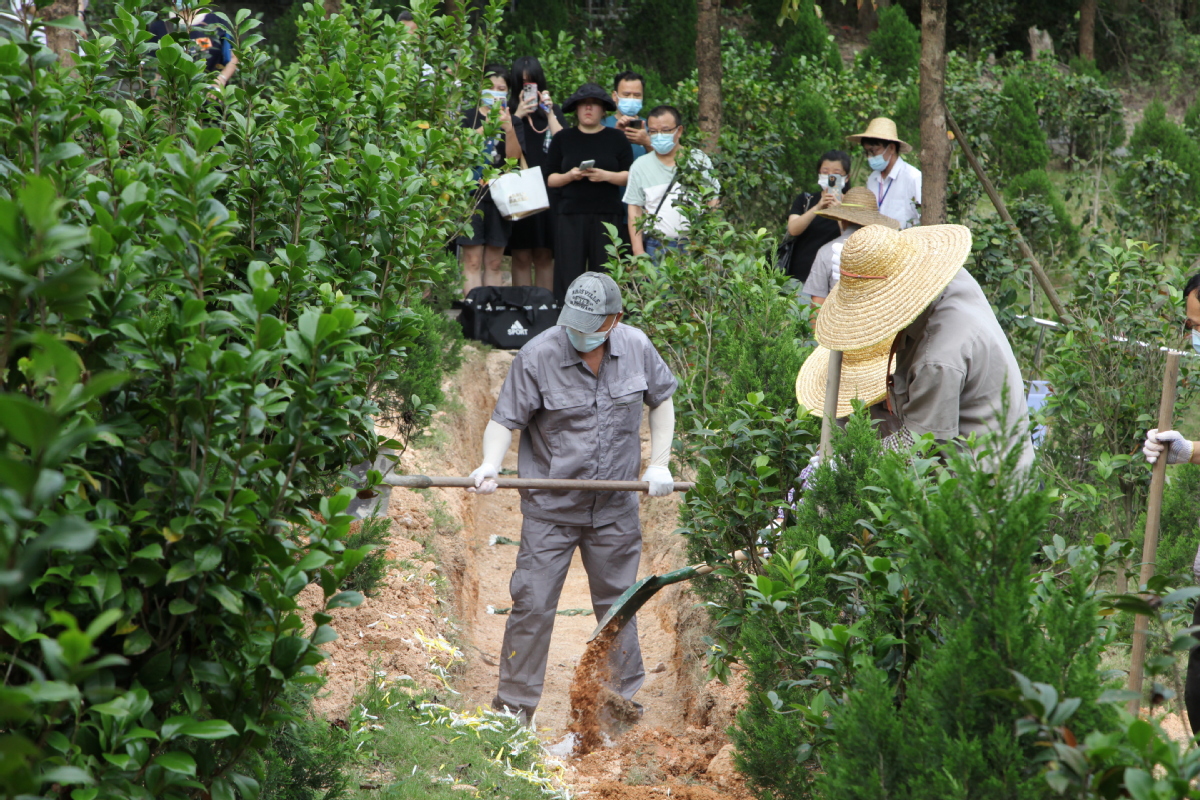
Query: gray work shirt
(580, 425)
(954, 369)
(825, 267)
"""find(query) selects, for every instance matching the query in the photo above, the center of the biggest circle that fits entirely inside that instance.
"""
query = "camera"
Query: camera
(635, 124)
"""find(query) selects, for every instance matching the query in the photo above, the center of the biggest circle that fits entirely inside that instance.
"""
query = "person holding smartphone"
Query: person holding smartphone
(589, 164)
(482, 252)
(536, 120)
(629, 93)
(811, 231)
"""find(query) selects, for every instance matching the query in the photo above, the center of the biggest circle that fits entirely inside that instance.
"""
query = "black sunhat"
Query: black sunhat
(589, 91)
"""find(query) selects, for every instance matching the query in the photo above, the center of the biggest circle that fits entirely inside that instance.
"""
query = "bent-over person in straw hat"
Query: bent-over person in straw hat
(895, 183)
(576, 392)
(856, 210)
(952, 370)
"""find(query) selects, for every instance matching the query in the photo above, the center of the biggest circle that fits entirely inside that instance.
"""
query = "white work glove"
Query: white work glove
(485, 479)
(661, 482)
(1178, 449)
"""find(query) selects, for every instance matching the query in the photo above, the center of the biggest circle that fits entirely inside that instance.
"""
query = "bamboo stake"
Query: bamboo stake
(553, 484)
(1039, 273)
(1166, 407)
(833, 384)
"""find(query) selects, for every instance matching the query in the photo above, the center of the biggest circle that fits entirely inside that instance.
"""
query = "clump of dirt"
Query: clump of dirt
(589, 693)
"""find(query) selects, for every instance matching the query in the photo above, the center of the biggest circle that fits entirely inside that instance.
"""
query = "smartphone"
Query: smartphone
(529, 92)
(636, 124)
(589, 164)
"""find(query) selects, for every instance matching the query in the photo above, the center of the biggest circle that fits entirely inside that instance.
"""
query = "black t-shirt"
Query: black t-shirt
(611, 151)
(535, 146)
(818, 233)
(210, 39)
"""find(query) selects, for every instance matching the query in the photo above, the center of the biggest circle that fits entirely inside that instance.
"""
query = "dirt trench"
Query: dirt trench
(680, 747)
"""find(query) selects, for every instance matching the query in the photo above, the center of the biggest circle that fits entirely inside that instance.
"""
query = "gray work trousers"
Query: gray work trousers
(610, 556)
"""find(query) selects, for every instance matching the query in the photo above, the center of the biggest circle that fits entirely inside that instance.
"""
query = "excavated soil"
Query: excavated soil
(678, 749)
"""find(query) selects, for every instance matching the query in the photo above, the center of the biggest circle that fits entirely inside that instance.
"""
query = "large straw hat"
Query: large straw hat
(881, 128)
(859, 207)
(887, 279)
(864, 377)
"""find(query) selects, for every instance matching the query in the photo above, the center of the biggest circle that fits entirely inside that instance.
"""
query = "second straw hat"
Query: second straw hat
(864, 377)
(858, 206)
(887, 279)
(881, 128)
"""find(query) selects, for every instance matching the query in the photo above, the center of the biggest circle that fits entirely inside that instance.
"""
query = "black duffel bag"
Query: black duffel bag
(508, 316)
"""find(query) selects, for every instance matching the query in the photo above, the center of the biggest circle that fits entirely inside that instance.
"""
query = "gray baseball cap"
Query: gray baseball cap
(590, 299)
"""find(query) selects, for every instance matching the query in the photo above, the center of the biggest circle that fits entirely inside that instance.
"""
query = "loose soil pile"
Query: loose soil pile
(455, 592)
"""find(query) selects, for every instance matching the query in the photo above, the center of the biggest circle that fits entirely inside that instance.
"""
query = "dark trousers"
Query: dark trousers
(1191, 685)
(579, 246)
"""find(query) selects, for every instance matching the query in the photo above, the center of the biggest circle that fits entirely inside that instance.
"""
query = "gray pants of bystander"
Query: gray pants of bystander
(610, 555)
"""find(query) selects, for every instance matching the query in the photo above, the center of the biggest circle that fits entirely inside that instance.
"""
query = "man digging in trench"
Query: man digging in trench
(577, 392)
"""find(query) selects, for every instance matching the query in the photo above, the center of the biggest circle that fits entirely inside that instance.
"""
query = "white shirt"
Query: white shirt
(899, 195)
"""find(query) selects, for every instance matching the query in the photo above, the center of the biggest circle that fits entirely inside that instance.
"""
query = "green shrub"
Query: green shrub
(1191, 120)
(895, 46)
(308, 758)
(199, 300)
(807, 37)
(770, 645)
(370, 534)
(662, 34)
(410, 390)
(1019, 143)
(1040, 213)
(1158, 135)
(944, 726)
(1179, 525)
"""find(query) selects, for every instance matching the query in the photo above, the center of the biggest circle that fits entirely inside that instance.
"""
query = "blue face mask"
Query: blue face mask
(586, 342)
(877, 163)
(1196, 340)
(491, 97)
(662, 143)
(629, 106)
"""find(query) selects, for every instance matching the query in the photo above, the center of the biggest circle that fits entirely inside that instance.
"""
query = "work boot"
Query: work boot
(524, 714)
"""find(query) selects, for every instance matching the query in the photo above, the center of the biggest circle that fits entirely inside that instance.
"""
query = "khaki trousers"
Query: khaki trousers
(610, 556)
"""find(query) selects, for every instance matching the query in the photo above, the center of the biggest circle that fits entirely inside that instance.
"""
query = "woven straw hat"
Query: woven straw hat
(864, 377)
(859, 207)
(881, 128)
(887, 279)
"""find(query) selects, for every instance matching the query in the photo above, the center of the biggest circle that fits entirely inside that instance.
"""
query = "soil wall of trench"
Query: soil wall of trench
(680, 747)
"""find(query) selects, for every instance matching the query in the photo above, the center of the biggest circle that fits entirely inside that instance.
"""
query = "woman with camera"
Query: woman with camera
(536, 120)
(811, 232)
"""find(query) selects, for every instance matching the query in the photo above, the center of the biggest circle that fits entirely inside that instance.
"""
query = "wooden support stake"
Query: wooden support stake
(1039, 273)
(833, 384)
(1166, 408)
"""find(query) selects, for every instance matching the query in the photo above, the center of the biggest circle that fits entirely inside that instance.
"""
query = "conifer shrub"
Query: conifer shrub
(1191, 120)
(895, 46)
(1019, 143)
(1180, 523)
(817, 132)
(1156, 135)
(663, 35)
(1039, 211)
(807, 37)
(970, 539)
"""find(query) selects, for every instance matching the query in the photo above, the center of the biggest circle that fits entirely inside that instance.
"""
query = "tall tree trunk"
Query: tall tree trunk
(868, 16)
(332, 7)
(62, 40)
(935, 146)
(1087, 29)
(708, 68)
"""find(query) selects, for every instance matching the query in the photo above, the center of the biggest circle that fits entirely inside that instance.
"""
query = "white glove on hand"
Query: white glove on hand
(661, 482)
(1178, 449)
(484, 477)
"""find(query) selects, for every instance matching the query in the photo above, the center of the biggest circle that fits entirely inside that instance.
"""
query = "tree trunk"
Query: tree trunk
(868, 16)
(1087, 29)
(332, 7)
(708, 68)
(61, 40)
(935, 145)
